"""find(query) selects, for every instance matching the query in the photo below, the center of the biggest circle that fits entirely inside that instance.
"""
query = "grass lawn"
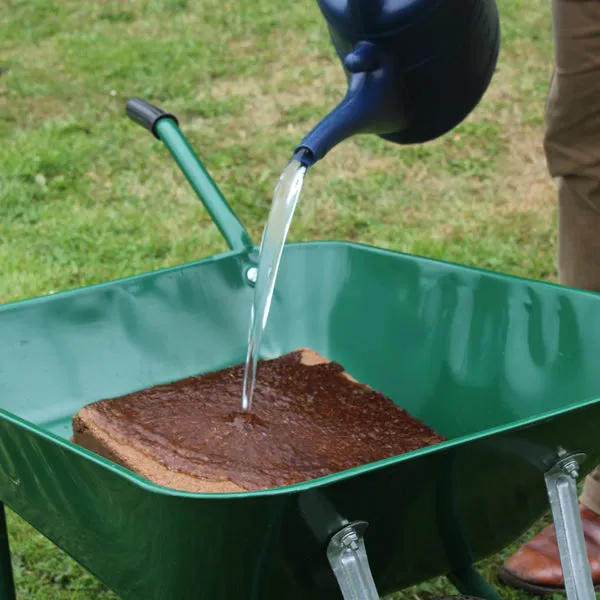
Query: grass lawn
(87, 196)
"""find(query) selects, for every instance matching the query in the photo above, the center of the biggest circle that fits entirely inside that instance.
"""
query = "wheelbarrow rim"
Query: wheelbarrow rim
(313, 483)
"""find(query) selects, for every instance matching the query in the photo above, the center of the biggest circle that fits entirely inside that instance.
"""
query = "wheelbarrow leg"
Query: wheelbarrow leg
(564, 502)
(462, 573)
(470, 582)
(7, 585)
(348, 559)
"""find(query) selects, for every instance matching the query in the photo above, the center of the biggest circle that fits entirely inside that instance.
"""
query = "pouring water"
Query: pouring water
(284, 203)
(399, 88)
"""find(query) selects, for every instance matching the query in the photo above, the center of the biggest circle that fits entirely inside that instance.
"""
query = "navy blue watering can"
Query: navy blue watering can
(415, 68)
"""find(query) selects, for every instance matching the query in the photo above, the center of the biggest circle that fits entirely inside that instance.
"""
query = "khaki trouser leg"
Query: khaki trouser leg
(572, 146)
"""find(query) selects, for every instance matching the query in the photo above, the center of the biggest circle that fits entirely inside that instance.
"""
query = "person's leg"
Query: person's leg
(579, 264)
(590, 497)
(572, 146)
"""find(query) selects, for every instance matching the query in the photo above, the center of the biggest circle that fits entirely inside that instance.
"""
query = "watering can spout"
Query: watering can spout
(415, 68)
(364, 109)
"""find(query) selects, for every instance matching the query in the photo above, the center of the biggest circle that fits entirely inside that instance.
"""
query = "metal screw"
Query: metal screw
(252, 274)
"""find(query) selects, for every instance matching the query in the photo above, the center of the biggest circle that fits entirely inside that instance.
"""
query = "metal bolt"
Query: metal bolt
(571, 468)
(252, 274)
(350, 540)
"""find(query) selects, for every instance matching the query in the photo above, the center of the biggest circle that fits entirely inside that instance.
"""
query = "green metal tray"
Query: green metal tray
(505, 367)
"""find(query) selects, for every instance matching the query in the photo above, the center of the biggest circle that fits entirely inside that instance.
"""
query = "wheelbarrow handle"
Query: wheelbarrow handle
(147, 115)
(165, 127)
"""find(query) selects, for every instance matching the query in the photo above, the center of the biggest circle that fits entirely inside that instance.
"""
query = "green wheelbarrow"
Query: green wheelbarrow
(505, 368)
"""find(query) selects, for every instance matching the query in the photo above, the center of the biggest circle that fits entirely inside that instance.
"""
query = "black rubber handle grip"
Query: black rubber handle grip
(147, 115)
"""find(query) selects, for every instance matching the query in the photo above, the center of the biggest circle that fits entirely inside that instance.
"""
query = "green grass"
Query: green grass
(87, 196)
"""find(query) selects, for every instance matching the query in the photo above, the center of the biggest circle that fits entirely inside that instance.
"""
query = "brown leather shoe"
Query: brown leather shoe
(535, 567)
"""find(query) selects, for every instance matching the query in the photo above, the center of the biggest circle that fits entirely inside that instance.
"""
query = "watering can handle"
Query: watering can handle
(165, 127)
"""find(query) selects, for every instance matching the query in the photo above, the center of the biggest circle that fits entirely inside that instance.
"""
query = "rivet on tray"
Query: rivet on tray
(252, 275)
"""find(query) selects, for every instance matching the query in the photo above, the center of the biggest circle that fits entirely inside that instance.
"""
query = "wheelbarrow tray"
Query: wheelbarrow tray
(505, 367)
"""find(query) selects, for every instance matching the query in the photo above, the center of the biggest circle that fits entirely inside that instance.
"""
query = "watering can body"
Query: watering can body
(415, 68)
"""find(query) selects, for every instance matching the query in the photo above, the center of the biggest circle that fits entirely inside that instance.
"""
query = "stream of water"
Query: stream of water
(284, 203)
